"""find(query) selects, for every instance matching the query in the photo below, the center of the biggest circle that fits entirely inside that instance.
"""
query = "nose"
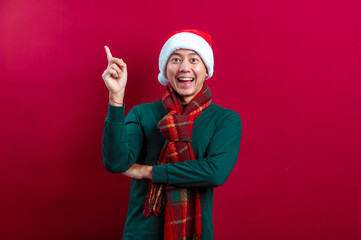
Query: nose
(184, 66)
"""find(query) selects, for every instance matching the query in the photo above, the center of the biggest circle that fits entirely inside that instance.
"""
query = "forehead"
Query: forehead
(185, 52)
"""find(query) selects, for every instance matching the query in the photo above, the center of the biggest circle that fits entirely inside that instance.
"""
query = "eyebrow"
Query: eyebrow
(178, 54)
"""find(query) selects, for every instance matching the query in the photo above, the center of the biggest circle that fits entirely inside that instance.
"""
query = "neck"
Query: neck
(186, 100)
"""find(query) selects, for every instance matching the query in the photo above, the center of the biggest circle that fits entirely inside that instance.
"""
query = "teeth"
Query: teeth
(185, 79)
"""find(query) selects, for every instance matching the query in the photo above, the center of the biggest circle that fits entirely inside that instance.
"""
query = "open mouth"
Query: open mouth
(185, 79)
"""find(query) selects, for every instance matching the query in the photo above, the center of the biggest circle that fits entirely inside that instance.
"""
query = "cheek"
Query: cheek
(201, 71)
(170, 71)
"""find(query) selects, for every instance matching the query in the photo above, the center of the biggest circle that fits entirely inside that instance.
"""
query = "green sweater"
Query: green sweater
(215, 142)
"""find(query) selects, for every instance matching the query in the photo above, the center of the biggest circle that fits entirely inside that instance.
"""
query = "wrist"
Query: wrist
(115, 103)
(116, 99)
(149, 172)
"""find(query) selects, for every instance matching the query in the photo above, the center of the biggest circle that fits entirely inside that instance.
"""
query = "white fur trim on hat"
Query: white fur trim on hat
(185, 40)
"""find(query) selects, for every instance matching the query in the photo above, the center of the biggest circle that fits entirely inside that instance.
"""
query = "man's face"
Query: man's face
(186, 73)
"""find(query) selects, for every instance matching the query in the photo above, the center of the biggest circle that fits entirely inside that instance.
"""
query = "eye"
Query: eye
(194, 60)
(175, 60)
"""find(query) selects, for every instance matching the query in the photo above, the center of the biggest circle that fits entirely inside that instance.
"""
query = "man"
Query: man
(176, 150)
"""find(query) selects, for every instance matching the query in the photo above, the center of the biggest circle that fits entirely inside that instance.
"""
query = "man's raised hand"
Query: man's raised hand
(115, 78)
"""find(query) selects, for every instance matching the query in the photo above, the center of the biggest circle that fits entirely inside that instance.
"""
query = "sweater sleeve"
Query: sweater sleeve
(122, 139)
(214, 169)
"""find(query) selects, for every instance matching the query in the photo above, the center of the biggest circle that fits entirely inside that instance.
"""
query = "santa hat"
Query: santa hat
(195, 40)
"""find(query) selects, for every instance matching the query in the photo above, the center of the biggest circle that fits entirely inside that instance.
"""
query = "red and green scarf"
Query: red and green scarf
(181, 206)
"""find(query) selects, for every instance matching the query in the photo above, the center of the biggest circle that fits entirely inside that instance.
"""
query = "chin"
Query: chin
(185, 93)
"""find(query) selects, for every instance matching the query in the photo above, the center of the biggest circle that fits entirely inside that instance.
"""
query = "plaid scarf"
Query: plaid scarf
(181, 206)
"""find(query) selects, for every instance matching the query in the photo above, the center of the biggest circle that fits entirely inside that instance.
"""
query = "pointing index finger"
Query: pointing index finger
(109, 54)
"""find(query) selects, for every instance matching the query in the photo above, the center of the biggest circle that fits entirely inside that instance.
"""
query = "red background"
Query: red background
(291, 69)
